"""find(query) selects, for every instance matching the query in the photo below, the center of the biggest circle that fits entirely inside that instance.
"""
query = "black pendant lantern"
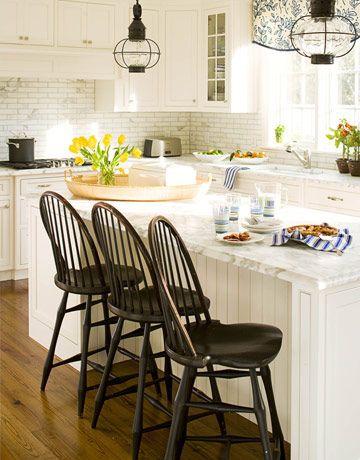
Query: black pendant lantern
(137, 52)
(323, 35)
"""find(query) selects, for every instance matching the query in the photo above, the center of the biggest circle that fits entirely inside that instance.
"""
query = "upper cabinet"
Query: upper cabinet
(27, 22)
(216, 57)
(181, 58)
(86, 25)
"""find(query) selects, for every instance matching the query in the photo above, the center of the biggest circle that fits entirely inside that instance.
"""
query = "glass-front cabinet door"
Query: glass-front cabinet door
(216, 67)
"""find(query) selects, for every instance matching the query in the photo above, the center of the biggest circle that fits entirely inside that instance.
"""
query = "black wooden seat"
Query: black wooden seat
(236, 345)
(241, 350)
(78, 271)
(120, 244)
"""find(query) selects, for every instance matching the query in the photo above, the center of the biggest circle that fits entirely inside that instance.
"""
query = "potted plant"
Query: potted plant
(104, 157)
(341, 136)
(354, 163)
(279, 134)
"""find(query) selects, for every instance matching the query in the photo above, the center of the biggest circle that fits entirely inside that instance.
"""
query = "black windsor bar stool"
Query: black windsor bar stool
(78, 271)
(244, 350)
(121, 245)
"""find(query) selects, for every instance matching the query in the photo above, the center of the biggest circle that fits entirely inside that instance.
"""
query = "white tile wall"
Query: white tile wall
(55, 111)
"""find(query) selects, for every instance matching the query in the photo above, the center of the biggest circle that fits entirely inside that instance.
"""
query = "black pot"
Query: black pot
(21, 150)
(354, 167)
(343, 165)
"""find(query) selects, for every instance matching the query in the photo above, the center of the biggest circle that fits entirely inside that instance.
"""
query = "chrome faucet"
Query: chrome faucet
(302, 154)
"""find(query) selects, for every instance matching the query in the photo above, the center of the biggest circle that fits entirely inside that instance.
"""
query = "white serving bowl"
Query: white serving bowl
(250, 161)
(210, 158)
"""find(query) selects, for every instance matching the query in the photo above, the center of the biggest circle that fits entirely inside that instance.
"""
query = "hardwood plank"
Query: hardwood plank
(45, 425)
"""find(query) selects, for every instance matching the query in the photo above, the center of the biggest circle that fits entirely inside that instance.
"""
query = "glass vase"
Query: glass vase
(106, 177)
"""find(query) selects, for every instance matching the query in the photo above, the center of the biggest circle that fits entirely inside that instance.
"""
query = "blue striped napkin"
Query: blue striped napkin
(230, 175)
(340, 242)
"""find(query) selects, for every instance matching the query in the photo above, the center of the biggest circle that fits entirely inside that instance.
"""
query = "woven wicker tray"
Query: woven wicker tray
(86, 186)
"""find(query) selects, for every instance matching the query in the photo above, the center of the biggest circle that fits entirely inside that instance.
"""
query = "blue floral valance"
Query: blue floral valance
(273, 19)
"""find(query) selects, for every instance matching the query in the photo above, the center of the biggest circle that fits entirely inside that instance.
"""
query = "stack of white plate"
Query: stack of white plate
(265, 226)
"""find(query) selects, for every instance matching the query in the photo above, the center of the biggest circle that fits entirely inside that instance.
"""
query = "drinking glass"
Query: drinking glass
(221, 214)
(256, 207)
(234, 202)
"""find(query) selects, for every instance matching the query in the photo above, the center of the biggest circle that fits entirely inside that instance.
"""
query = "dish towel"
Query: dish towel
(230, 175)
(341, 242)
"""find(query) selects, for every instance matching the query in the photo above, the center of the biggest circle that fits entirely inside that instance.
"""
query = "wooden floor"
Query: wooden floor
(46, 426)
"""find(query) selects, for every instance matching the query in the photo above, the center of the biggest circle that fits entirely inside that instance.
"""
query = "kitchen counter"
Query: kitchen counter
(289, 262)
(313, 297)
(271, 170)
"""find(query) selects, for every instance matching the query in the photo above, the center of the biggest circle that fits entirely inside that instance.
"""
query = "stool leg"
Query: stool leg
(275, 422)
(168, 372)
(107, 326)
(84, 355)
(100, 395)
(138, 418)
(168, 379)
(216, 397)
(51, 352)
(176, 436)
(154, 370)
(260, 415)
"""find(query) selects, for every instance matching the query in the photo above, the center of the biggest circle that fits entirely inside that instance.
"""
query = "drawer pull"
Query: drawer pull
(44, 185)
(335, 198)
(5, 206)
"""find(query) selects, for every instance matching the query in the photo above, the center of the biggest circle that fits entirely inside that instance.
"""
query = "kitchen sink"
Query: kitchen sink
(292, 170)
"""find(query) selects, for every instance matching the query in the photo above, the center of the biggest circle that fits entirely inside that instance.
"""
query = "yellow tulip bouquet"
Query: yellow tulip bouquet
(104, 157)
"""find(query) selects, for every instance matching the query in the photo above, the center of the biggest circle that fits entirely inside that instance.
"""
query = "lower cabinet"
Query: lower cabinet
(5, 234)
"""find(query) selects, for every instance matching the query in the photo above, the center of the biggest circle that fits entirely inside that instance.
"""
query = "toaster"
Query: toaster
(162, 147)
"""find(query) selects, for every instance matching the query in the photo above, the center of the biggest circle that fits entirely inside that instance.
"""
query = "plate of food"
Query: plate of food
(211, 156)
(239, 238)
(315, 230)
(249, 157)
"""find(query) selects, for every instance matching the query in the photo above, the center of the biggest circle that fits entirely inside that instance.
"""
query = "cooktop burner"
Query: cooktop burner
(42, 163)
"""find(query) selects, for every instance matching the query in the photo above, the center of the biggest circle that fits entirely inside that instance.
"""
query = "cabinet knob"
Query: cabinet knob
(194, 100)
(90, 42)
(21, 37)
(84, 41)
(26, 38)
(5, 206)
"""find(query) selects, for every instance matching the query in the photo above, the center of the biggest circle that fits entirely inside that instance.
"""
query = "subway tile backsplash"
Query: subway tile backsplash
(54, 111)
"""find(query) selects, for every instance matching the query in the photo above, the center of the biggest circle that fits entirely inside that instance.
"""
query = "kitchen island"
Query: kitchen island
(313, 297)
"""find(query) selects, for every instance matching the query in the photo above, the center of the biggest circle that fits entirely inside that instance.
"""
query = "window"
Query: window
(309, 99)
(216, 57)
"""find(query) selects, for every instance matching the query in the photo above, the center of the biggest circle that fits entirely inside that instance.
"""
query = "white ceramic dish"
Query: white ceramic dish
(264, 227)
(210, 158)
(250, 161)
(254, 239)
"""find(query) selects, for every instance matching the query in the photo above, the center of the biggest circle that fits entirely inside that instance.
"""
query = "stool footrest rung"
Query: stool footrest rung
(158, 404)
(167, 424)
(103, 322)
(77, 357)
(132, 389)
(227, 439)
(220, 407)
(224, 374)
(139, 332)
(82, 306)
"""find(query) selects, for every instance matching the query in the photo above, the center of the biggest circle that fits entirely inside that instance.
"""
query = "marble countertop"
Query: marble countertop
(6, 172)
(292, 262)
(283, 172)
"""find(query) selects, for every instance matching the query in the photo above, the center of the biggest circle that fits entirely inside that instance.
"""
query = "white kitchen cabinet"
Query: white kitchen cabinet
(27, 22)
(338, 200)
(181, 58)
(23, 187)
(5, 235)
(85, 25)
(216, 57)
(6, 226)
